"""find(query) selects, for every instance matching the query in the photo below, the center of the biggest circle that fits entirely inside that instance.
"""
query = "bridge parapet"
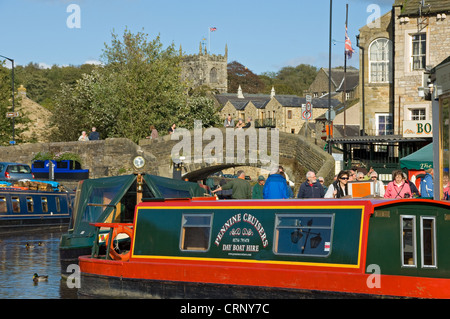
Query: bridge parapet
(208, 153)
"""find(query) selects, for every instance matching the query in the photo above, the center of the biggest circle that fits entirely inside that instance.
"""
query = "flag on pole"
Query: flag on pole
(212, 29)
(348, 45)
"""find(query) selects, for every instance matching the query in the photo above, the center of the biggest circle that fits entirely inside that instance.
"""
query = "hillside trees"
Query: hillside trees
(138, 85)
(238, 74)
(290, 80)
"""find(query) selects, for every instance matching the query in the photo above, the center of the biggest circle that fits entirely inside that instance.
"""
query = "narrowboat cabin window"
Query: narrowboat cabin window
(428, 234)
(195, 232)
(30, 205)
(2, 204)
(58, 204)
(44, 204)
(408, 224)
(303, 235)
(15, 204)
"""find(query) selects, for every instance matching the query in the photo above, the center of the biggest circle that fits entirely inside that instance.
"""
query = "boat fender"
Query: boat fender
(114, 254)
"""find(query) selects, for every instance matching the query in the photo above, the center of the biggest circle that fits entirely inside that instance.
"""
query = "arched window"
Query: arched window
(213, 75)
(380, 58)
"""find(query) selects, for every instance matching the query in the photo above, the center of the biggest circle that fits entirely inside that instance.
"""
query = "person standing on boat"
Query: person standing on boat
(83, 137)
(276, 186)
(257, 191)
(398, 188)
(311, 188)
(339, 188)
(240, 187)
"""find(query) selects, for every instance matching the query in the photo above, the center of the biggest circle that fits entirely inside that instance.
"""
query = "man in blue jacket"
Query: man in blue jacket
(276, 186)
(426, 184)
(311, 188)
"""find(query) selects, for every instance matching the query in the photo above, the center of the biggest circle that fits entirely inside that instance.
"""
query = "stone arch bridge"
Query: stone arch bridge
(200, 153)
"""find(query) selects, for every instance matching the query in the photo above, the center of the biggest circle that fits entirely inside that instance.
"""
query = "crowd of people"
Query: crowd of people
(276, 186)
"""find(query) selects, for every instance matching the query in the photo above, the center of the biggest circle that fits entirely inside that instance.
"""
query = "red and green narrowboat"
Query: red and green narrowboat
(204, 248)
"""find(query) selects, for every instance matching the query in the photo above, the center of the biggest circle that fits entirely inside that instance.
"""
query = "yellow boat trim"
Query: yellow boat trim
(355, 266)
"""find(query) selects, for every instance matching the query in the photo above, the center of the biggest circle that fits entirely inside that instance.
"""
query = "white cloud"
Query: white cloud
(43, 65)
(95, 62)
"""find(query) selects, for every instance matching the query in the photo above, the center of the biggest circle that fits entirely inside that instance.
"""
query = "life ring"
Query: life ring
(120, 229)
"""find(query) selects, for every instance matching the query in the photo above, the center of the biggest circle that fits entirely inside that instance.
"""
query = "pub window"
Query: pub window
(44, 204)
(428, 234)
(289, 115)
(30, 204)
(2, 204)
(195, 232)
(408, 225)
(303, 235)
(15, 204)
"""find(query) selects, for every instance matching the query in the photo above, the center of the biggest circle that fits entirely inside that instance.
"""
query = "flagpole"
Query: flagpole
(209, 39)
(345, 69)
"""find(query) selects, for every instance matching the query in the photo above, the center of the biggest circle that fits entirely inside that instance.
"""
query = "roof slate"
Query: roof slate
(411, 7)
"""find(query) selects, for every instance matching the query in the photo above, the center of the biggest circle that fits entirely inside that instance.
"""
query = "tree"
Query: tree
(138, 85)
(290, 80)
(240, 75)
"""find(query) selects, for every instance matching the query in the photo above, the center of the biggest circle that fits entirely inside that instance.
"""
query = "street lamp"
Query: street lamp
(329, 136)
(12, 82)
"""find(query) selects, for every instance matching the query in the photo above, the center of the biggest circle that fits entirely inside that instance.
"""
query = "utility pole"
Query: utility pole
(13, 142)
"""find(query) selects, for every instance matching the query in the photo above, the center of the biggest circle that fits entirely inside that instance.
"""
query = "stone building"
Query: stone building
(319, 87)
(204, 69)
(270, 110)
(397, 51)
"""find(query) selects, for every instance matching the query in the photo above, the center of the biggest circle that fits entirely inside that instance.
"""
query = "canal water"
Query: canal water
(18, 264)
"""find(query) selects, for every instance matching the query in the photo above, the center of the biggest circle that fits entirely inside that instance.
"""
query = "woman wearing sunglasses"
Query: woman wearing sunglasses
(339, 188)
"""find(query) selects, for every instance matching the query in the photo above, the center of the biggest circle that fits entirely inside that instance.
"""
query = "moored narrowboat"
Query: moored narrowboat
(113, 199)
(34, 205)
(203, 248)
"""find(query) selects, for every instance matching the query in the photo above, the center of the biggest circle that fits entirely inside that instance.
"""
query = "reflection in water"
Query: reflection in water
(18, 264)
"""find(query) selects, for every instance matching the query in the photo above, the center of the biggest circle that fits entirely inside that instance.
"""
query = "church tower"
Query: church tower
(206, 69)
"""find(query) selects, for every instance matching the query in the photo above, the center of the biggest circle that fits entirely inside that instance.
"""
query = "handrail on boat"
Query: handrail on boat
(113, 226)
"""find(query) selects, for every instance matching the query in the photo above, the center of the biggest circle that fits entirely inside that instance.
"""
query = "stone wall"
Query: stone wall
(108, 157)
(114, 156)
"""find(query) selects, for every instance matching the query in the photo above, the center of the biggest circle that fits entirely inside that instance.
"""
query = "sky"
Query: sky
(263, 35)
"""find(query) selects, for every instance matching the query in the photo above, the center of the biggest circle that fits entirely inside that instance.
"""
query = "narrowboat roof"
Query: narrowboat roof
(211, 201)
(111, 190)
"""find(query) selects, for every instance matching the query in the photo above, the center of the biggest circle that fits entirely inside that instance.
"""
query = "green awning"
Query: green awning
(421, 159)
(111, 190)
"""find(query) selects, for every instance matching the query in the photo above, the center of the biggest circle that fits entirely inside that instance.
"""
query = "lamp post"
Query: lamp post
(330, 146)
(12, 84)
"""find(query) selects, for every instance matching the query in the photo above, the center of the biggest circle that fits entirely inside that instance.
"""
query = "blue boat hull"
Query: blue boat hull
(27, 209)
